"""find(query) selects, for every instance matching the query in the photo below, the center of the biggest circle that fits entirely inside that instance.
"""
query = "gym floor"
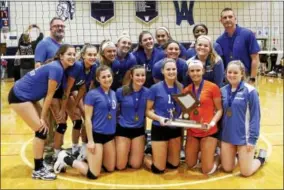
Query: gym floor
(17, 160)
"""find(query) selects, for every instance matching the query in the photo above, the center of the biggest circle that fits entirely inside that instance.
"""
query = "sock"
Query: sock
(56, 152)
(38, 164)
(75, 147)
(69, 160)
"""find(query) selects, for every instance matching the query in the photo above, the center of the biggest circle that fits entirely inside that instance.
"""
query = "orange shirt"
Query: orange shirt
(206, 110)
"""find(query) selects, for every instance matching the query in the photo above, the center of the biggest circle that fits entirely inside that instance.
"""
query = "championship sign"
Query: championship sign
(102, 11)
(146, 10)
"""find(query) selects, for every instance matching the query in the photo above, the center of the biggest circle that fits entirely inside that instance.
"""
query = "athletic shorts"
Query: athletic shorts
(163, 133)
(58, 93)
(130, 133)
(215, 135)
(12, 98)
(102, 138)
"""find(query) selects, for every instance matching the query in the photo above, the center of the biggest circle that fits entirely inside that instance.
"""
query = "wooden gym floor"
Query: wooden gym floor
(17, 161)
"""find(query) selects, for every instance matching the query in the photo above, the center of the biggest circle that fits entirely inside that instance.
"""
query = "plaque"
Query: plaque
(188, 103)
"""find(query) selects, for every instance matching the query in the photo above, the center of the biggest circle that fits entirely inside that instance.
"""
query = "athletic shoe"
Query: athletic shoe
(182, 155)
(59, 165)
(262, 155)
(43, 174)
(49, 167)
(83, 154)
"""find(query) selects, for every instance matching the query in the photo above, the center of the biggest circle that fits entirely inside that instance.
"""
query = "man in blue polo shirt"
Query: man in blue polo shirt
(48, 47)
(238, 43)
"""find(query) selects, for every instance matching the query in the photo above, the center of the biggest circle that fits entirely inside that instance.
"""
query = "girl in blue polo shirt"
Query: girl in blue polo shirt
(240, 122)
(163, 36)
(213, 63)
(130, 131)
(172, 50)
(100, 123)
(125, 60)
(25, 94)
(78, 77)
(166, 141)
(147, 55)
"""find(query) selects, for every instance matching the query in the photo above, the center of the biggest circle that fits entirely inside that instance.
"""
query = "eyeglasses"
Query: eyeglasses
(58, 26)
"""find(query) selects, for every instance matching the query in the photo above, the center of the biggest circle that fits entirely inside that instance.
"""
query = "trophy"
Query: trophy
(187, 102)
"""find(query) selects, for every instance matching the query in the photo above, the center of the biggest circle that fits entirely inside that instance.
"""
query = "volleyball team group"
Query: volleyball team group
(109, 93)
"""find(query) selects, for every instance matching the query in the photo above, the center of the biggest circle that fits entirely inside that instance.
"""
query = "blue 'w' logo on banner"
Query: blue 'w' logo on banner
(184, 13)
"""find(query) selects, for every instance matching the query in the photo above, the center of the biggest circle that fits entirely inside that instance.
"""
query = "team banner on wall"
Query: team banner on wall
(184, 11)
(102, 11)
(146, 10)
(4, 14)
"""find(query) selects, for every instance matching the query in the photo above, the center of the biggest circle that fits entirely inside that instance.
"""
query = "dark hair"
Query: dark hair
(84, 49)
(226, 9)
(102, 68)
(55, 18)
(63, 48)
(165, 46)
(139, 46)
(128, 89)
(202, 25)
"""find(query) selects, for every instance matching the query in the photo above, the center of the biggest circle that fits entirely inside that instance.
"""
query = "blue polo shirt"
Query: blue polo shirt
(181, 70)
(213, 74)
(46, 49)
(101, 123)
(162, 103)
(120, 67)
(127, 108)
(78, 72)
(239, 47)
(244, 124)
(192, 52)
(34, 85)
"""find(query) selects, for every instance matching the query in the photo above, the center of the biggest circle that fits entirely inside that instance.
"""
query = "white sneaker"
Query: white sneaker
(43, 174)
(83, 154)
(60, 165)
(182, 155)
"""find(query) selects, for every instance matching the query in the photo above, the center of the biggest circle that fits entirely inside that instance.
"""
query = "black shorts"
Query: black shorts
(163, 133)
(12, 98)
(102, 138)
(58, 93)
(215, 135)
(130, 133)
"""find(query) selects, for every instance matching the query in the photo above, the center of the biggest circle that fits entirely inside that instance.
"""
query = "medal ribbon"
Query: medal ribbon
(232, 95)
(107, 98)
(197, 95)
(136, 103)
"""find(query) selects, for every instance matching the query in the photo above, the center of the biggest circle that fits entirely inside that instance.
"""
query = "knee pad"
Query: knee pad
(170, 166)
(105, 169)
(90, 175)
(155, 170)
(40, 135)
(77, 124)
(61, 128)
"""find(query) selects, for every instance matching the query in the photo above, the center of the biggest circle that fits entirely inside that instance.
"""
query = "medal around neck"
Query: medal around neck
(188, 103)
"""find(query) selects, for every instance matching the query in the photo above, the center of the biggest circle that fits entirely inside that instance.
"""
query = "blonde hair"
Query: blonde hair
(101, 57)
(213, 56)
(241, 66)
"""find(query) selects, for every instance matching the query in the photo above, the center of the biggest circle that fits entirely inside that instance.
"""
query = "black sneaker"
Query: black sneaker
(43, 174)
(148, 149)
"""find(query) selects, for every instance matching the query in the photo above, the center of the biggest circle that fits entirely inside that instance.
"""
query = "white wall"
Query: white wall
(83, 28)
